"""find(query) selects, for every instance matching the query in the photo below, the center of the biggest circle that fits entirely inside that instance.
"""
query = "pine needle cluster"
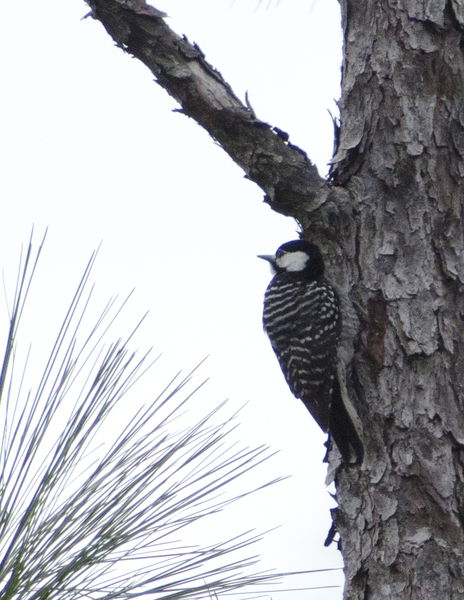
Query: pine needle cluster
(94, 507)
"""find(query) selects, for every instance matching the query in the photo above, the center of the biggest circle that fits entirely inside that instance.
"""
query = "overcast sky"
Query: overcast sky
(91, 149)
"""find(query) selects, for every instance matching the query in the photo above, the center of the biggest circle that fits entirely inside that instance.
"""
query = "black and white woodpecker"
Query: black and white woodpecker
(310, 326)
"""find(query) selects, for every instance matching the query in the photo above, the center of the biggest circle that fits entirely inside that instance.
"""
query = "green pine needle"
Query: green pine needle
(79, 522)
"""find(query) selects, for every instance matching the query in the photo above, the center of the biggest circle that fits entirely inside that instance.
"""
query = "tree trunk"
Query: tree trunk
(390, 224)
(401, 156)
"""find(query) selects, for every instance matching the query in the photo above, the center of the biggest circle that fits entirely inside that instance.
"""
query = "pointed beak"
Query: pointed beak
(269, 257)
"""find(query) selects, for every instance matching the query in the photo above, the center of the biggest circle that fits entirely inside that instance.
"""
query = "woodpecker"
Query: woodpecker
(304, 322)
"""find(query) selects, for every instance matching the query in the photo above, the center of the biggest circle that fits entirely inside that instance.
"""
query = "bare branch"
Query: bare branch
(283, 171)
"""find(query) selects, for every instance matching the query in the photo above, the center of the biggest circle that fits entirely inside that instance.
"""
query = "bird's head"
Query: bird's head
(299, 257)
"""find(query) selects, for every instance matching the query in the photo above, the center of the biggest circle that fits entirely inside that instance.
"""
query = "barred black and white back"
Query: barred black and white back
(303, 319)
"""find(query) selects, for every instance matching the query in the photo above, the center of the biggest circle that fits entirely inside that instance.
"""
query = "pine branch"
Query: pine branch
(283, 171)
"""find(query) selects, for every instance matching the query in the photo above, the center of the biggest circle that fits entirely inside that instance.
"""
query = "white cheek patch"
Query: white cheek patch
(293, 261)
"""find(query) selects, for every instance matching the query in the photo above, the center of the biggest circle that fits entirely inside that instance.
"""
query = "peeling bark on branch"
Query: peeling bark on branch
(283, 171)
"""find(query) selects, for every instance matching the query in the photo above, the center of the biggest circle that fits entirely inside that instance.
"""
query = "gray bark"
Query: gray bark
(401, 157)
(390, 223)
(282, 170)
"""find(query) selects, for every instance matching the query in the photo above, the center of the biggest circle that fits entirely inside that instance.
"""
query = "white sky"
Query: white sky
(91, 149)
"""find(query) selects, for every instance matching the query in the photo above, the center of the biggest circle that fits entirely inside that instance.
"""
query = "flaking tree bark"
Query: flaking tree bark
(389, 221)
